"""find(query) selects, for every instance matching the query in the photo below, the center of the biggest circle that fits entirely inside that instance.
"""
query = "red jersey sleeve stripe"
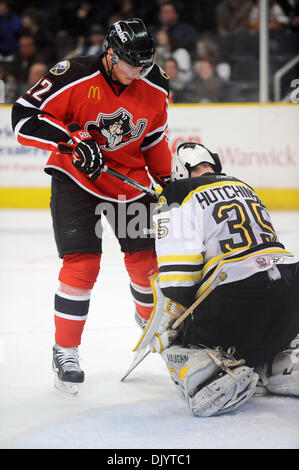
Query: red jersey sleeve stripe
(36, 142)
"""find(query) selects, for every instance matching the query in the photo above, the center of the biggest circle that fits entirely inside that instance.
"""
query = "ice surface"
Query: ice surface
(144, 412)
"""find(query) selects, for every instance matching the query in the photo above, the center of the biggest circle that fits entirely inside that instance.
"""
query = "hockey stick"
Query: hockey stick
(64, 148)
(142, 354)
(131, 182)
(138, 358)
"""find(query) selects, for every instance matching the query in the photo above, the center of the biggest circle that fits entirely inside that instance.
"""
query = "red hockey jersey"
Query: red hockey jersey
(128, 123)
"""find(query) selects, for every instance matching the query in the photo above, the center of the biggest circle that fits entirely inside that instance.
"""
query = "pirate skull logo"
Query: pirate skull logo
(113, 131)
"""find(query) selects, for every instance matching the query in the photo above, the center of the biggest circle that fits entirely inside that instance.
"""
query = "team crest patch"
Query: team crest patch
(60, 68)
(262, 262)
(115, 130)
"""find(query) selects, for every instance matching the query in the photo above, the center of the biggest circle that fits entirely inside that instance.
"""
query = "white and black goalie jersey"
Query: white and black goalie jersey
(208, 224)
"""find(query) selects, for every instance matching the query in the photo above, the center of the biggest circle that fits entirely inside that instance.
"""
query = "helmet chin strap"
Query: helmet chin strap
(113, 62)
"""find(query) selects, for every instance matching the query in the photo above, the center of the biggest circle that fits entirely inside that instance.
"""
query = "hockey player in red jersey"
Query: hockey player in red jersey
(92, 111)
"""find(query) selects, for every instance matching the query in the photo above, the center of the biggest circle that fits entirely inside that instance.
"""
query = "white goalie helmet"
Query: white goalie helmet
(190, 154)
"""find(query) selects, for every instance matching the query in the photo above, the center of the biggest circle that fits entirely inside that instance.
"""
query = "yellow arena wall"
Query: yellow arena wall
(257, 143)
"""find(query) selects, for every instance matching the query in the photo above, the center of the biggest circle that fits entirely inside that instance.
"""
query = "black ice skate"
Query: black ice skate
(66, 366)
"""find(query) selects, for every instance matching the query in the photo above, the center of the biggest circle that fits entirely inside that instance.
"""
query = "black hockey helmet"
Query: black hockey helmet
(132, 42)
(190, 154)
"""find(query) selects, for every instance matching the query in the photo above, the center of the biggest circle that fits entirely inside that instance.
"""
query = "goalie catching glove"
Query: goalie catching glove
(157, 335)
(87, 155)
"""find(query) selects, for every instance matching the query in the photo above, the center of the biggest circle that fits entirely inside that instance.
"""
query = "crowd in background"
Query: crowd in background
(208, 48)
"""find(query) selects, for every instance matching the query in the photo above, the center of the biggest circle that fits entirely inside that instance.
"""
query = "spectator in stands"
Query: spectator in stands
(27, 55)
(291, 8)
(76, 22)
(183, 33)
(13, 89)
(208, 87)
(93, 45)
(33, 26)
(201, 13)
(124, 11)
(149, 11)
(277, 18)
(207, 50)
(10, 87)
(10, 30)
(180, 90)
(233, 16)
(36, 72)
(166, 48)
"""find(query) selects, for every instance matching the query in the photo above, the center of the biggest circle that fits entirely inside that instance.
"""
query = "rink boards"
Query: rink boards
(258, 143)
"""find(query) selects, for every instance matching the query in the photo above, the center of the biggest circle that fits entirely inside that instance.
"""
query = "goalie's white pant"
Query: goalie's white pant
(211, 381)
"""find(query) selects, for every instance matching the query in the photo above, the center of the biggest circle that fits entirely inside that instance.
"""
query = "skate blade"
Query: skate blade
(67, 387)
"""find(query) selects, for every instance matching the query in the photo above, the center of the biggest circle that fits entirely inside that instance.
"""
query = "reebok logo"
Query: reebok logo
(84, 135)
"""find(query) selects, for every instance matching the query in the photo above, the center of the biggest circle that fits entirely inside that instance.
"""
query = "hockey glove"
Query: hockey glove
(87, 155)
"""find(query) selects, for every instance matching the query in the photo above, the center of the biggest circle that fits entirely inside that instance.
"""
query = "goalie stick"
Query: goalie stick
(140, 355)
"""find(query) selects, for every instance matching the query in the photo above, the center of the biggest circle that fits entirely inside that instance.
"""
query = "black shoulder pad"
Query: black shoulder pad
(159, 77)
(64, 73)
(73, 69)
(177, 191)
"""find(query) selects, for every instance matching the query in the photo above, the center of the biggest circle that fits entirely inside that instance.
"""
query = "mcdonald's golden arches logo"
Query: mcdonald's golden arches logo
(94, 91)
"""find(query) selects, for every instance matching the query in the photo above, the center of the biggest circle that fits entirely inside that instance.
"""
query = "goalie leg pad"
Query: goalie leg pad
(223, 394)
(283, 376)
(165, 312)
(181, 361)
(211, 382)
(284, 384)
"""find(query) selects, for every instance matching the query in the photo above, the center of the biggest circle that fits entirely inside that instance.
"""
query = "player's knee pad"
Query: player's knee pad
(212, 382)
(283, 372)
(80, 270)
